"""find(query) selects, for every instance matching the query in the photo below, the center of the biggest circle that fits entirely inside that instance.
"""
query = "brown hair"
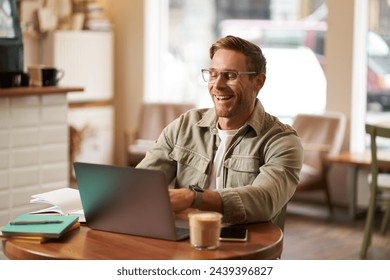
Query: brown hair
(255, 58)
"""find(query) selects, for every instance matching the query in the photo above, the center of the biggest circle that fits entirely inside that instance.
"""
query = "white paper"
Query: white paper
(65, 201)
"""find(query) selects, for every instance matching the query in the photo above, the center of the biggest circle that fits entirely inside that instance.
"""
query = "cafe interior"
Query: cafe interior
(131, 67)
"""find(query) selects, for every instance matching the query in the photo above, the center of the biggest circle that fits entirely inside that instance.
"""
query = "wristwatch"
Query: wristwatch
(198, 196)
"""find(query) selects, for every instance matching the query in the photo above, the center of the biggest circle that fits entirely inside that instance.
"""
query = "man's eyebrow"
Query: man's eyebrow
(224, 70)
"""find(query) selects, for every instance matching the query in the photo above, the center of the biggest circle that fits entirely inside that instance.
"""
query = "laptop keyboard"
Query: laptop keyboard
(182, 233)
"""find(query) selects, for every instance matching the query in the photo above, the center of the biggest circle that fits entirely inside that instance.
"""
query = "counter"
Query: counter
(34, 145)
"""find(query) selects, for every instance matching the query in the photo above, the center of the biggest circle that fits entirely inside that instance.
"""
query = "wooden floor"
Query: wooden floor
(310, 234)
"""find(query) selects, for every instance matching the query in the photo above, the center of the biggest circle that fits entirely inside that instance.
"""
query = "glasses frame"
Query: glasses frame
(224, 75)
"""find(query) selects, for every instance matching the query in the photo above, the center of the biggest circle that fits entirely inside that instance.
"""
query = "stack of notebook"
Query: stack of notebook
(39, 228)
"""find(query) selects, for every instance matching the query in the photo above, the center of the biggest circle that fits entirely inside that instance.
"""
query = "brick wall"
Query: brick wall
(33, 150)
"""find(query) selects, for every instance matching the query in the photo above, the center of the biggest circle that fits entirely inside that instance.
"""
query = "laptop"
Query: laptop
(127, 200)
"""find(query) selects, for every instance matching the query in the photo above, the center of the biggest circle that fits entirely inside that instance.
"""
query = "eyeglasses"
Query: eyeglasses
(209, 76)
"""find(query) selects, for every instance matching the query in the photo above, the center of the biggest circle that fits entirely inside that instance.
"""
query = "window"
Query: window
(378, 89)
(290, 46)
(378, 80)
(290, 49)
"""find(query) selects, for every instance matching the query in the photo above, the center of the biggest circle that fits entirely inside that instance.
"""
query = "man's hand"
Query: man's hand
(182, 198)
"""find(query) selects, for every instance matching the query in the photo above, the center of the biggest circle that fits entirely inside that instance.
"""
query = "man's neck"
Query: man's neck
(229, 124)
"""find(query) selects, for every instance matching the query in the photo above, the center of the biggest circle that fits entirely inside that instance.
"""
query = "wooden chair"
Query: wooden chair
(379, 186)
(321, 135)
(153, 118)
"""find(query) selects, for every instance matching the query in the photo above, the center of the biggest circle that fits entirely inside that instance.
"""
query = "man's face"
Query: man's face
(233, 100)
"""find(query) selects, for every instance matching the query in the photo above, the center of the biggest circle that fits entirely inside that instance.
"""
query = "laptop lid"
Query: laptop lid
(126, 200)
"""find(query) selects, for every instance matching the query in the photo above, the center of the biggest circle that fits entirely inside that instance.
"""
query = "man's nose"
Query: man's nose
(220, 81)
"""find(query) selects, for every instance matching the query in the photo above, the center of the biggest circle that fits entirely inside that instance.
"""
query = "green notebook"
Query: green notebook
(51, 230)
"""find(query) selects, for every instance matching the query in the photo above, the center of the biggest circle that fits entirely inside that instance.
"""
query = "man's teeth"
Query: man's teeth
(222, 97)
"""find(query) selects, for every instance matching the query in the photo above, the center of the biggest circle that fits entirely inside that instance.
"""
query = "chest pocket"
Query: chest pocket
(243, 164)
(190, 158)
(241, 170)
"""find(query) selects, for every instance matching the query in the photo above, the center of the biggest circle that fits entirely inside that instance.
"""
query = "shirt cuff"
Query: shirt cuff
(233, 207)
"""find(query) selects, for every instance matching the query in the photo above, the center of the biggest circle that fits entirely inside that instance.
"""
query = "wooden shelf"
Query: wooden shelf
(25, 91)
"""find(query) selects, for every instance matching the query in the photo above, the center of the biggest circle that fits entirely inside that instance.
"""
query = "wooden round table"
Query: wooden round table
(265, 241)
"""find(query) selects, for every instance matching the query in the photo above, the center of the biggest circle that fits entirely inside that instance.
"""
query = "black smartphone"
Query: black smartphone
(234, 234)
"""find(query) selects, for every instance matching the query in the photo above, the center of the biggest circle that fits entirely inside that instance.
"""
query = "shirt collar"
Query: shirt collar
(256, 120)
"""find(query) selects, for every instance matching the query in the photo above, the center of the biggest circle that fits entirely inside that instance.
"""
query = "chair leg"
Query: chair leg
(368, 227)
(385, 220)
(328, 200)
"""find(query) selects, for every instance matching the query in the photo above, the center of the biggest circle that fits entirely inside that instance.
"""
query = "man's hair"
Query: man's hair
(254, 56)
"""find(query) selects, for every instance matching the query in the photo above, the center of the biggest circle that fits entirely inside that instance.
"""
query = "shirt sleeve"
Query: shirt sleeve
(272, 188)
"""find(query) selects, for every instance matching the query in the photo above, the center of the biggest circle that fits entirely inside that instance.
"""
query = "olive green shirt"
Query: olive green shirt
(260, 168)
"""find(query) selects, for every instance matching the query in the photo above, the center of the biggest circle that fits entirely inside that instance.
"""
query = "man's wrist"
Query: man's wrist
(198, 196)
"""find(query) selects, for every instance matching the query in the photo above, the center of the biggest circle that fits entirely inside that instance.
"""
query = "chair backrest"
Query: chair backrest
(154, 117)
(377, 131)
(320, 133)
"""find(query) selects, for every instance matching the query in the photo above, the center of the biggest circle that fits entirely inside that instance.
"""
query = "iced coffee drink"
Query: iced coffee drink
(205, 228)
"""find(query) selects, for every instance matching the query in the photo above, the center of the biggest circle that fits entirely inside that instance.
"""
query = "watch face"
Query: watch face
(196, 188)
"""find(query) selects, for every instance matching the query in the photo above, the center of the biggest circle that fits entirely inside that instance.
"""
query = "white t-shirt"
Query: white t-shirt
(226, 137)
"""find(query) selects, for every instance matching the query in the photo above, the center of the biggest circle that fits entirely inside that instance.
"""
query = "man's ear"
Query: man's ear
(260, 80)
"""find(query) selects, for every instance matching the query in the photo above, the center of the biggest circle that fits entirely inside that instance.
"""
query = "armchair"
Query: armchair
(153, 118)
(321, 135)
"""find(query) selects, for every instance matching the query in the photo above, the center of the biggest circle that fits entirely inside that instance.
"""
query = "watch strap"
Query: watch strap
(198, 196)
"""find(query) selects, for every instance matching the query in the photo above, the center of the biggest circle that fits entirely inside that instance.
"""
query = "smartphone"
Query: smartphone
(234, 234)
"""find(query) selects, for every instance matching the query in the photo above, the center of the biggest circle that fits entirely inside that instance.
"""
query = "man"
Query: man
(239, 160)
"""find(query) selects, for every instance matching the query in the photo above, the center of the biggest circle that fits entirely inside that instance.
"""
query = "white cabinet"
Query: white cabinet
(87, 59)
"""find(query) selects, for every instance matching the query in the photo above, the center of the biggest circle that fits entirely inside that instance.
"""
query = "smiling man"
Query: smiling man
(235, 158)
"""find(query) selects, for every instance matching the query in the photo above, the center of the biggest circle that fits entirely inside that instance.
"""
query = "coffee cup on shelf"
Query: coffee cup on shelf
(51, 76)
(10, 79)
(42, 75)
(35, 74)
